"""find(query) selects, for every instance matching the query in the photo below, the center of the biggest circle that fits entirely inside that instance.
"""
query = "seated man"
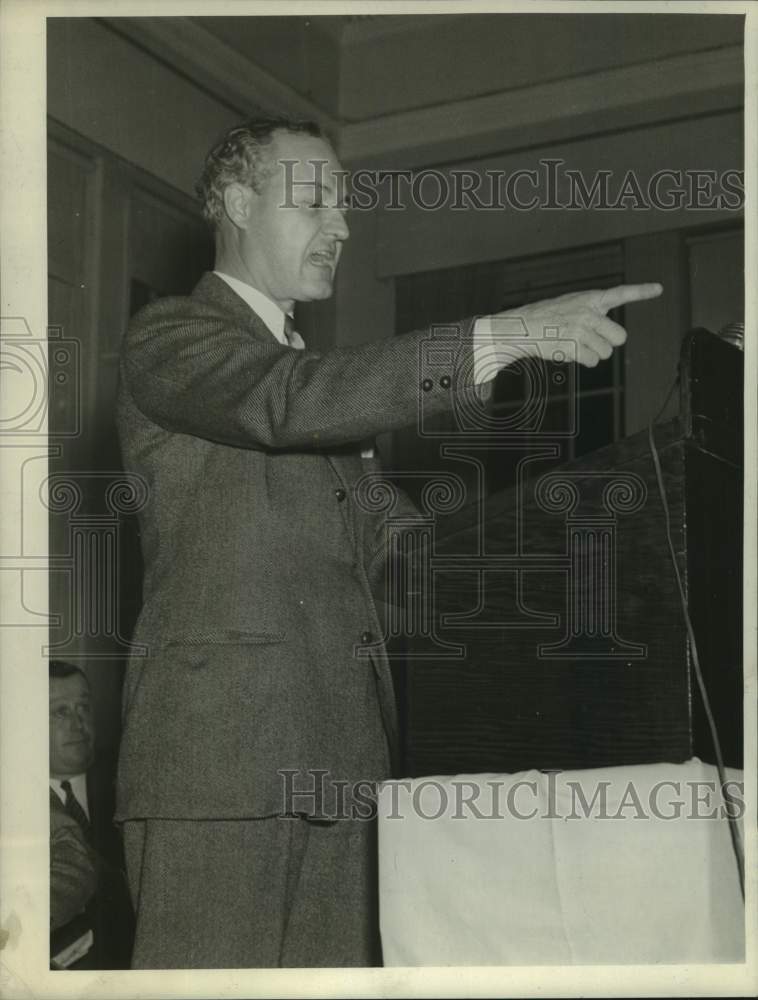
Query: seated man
(91, 920)
(73, 867)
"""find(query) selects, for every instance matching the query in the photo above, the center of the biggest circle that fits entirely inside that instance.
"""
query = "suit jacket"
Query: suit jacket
(258, 557)
(73, 866)
(100, 888)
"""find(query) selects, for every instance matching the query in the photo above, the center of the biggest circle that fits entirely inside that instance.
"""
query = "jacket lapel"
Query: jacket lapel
(346, 465)
(215, 291)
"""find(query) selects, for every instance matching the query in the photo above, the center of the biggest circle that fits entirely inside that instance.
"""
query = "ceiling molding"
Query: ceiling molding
(354, 29)
(217, 67)
(367, 27)
(556, 103)
(542, 113)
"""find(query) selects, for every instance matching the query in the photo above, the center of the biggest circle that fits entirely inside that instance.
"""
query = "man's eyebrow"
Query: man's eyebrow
(319, 187)
(344, 200)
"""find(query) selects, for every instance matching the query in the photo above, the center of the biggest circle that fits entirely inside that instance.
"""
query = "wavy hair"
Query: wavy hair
(241, 156)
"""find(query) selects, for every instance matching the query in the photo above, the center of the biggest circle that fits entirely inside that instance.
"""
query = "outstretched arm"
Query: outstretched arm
(195, 372)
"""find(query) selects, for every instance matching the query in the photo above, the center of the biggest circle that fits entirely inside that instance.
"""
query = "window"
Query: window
(583, 408)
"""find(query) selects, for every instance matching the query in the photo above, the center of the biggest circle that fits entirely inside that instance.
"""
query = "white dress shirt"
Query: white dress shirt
(489, 356)
(498, 342)
(273, 317)
(78, 787)
(263, 307)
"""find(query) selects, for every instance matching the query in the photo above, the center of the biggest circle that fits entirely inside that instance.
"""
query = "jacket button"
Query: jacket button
(366, 638)
(427, 385)
(446, 382)
(340, 494)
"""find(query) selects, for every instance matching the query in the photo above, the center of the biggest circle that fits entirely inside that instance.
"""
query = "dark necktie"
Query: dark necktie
(73, 807)
(289, 328)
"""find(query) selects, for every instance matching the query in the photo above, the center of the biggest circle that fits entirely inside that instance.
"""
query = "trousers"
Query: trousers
(255, 893)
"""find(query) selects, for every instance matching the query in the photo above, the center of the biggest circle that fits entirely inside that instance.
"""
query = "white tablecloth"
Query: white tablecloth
(465, 881)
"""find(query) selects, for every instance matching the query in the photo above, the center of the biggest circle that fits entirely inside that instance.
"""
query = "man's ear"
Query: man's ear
(238, 203)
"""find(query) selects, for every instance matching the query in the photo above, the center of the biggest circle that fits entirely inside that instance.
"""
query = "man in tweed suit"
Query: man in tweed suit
(265, 671)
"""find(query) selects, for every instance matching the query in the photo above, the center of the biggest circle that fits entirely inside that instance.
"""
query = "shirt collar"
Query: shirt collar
(78, 787)
(261, 305)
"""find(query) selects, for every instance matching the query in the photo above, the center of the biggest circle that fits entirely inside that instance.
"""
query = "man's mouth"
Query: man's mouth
(323, 258)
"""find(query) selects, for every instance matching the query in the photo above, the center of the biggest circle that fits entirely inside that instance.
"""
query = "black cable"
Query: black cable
(733, 827)
(669, 394)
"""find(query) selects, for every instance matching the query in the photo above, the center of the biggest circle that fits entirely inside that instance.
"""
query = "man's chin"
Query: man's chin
(82, 763)
(315, 293)
(318, 283)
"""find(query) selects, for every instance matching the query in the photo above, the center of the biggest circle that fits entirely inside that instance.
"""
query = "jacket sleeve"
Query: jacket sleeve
(73, 870)
(193, 371)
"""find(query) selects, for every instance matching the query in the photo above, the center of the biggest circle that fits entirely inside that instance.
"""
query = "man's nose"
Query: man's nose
(79, 722)
(336, 224)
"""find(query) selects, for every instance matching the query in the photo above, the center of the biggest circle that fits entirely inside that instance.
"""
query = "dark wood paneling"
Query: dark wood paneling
(109, 225)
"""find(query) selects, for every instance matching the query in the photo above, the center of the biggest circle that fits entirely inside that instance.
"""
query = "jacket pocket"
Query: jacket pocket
(224, 637)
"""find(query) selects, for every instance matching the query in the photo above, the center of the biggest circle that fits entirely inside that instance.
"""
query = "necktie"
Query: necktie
(73, 807)
(289, 329)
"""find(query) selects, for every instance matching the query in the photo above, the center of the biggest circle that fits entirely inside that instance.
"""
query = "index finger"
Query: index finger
(622, 294)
